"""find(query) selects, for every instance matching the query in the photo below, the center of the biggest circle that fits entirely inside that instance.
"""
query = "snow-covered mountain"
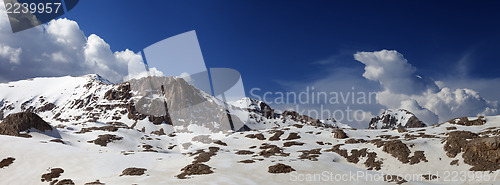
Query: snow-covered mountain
(85, 130)
(395, 118)
(148, 104)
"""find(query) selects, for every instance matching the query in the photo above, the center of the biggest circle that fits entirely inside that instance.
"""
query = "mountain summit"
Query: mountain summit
(395, 119)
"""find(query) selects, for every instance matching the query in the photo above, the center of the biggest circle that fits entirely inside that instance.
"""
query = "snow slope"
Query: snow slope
(306, 145)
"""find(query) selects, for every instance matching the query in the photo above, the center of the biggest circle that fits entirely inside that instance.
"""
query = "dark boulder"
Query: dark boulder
(13, 124)
(339, 134)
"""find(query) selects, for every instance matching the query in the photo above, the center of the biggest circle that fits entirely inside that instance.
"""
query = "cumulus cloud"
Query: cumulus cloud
(393, 72)
(423, 114)
(9, 53)
(403, 88)
(59, 48)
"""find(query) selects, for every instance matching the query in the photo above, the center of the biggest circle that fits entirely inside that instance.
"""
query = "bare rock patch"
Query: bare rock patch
(194, 169)
(133, 171)
(103, 140)
(280, 168)
(6, 162)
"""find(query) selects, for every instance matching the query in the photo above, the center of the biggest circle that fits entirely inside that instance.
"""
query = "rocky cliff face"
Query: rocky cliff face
(395, 119)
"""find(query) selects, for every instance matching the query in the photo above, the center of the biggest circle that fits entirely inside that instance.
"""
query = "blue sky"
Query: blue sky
(282, 40)
(292, 45)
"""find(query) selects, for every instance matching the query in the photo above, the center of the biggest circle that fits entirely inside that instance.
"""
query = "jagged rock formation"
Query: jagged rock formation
(394, 119)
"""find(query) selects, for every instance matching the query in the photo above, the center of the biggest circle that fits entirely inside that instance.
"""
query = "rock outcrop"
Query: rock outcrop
(394, 119)
(13, 124)
(483, 154)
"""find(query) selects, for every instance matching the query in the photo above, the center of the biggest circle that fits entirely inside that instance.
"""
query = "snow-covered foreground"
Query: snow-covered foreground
(99, 136)
(85, 162)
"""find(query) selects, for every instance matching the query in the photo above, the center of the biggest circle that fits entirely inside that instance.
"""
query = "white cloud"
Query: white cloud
(12, 54)
(186, 77)
(59, 48)
(422, 96)
(393, 72)
(58, 57)
(423, 114)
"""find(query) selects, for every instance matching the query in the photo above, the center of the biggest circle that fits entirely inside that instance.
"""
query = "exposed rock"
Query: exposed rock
(371, 163)
(104, 128)
(103, 140)
(377, 142)
(280, 168)
(96, 182)
(394, 178)
(259, 136)
(292, 143)
(454, 162)
(293, 136)
(133, 171)
(354, 141)
(57, 141)
(310, 154)
(429, 177)
(270, 150)
(54, 173)
(339, 134)
(147, 147)
(160, 132)
(483, 154)
(356, 154)
(13, 124)
(122, 92)
(46, 107)
(244, 152)
(456, 141)
(64, 182)
(417, 157)
(397, 149)
(276, 135)
(247, 161)
(394, 119)
(402, 129)
(195, 169)
(219, 142)
(205, 156)
(266, 110)
(160, 119)
(451, 128)
(466, 122)
(295, 116)
(336, 149)
(6, 162)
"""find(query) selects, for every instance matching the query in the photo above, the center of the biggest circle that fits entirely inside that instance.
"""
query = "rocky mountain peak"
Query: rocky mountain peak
(395, 119)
